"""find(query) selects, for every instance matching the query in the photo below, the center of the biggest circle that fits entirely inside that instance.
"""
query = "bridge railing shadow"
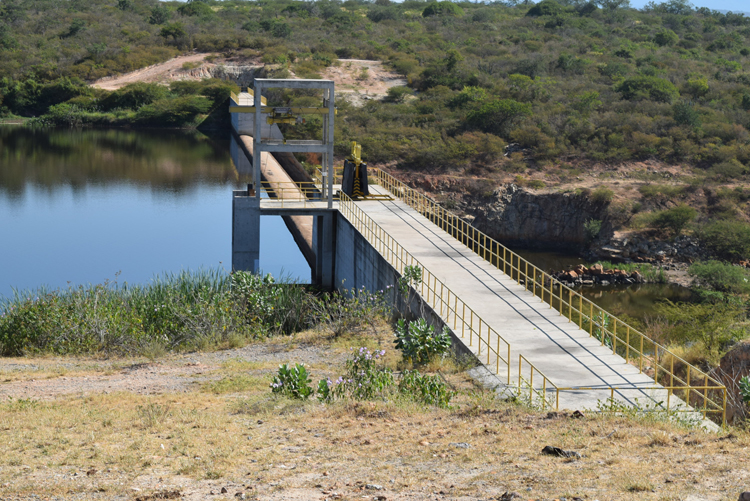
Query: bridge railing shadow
(669, 371)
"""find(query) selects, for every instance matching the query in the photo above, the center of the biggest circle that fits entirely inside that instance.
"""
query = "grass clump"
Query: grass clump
(185, 311)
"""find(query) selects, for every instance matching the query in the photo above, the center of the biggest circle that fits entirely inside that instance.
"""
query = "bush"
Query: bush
(602, 194)
(498, 116)
(674, 219)
(364, 378)
(293, 382)
(722, 277)
(419, 342)
(173, 112)
(726, 239)
(545, 8)
(666, 37)
(591, 229)
(430, 390)
(648, 87)
(445, 8)
(133, 96)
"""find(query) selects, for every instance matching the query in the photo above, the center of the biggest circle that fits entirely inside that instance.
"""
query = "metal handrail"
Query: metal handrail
(433, 291)
(629, 343)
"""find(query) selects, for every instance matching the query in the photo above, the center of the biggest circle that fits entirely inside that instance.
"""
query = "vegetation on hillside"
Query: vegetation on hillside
(584, 81)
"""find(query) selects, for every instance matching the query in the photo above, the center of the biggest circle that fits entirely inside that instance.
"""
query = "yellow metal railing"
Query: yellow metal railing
(445, 303)
(695, 387)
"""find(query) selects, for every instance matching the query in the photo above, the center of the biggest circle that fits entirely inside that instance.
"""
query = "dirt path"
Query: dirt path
(157, 73)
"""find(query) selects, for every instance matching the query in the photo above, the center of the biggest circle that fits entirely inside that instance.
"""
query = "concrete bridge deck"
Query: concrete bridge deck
(567, 355)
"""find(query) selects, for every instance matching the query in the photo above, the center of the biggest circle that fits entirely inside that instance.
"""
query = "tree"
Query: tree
(545, 8)
(445, 8)
(174, 30)
(666, 37)
(644, 87)
(498, 116)
(159, 15)
(685, 114)
(675, 219)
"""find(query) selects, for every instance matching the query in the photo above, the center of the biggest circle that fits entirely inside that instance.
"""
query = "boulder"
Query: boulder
(572, 274)
(637, 277)
(596, 269)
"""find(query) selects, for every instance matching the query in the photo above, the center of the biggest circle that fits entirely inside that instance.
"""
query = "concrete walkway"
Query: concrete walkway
(566, 354)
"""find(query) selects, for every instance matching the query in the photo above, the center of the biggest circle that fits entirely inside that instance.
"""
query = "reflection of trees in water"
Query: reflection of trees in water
(164, 160)
(636, 301)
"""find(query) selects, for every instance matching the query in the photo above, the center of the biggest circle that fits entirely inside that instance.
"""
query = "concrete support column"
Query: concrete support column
(245, 232)
(324, 239)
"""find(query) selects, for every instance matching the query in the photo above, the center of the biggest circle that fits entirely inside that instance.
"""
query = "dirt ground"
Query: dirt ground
(347, 74)
(206, 426)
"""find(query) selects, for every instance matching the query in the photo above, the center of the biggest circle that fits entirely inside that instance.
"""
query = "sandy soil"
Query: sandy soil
(158, 73)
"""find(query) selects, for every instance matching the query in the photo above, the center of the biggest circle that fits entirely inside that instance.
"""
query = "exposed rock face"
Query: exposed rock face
(241, 75)
(734, 366)
(554, 221)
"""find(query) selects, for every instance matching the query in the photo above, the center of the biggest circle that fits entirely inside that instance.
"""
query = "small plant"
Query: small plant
(419, 341)
(411, 277)
(293, 382)
(430, 390)
(591, 229)
(745, 389)
(152, 414)
(364, 378)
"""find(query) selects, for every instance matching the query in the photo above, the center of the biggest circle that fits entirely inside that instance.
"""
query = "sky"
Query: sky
(733, 5)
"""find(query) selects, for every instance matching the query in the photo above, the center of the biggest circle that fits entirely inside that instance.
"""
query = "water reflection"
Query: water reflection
(171, 161)
(79, 206)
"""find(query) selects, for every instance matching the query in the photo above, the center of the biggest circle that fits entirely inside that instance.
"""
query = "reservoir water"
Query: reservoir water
(85, 206)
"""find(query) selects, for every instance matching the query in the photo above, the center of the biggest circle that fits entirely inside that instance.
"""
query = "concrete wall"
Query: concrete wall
(358, 265)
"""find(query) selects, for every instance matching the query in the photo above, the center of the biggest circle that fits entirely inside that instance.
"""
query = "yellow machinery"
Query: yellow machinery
(354, 182)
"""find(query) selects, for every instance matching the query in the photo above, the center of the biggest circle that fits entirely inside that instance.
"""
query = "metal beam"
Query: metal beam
(269, 109)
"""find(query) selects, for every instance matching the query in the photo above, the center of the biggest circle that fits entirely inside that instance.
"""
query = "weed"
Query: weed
(363, 379)
(293, 382)
(745, 389)
(153, 414)
(430, 390)
(419, 341)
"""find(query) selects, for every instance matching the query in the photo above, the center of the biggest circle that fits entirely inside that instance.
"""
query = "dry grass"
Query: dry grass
(232, 433)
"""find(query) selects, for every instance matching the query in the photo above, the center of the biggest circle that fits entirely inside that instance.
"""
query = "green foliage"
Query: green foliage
(648, 87)
(545, 8)
(591, 229)
(419, 342)
(602, 194)
(171, 112)
(293, 382)
(445, 8)
(722, 277)
(685, 114)
(195, 8)
(159, 15)
(430, 390)
(498, 116)
(666, 37)
(726, 239)
(175, 312)
(133, 96)
(364, 378)
(745, 389)
(674, 219)
(714, 325)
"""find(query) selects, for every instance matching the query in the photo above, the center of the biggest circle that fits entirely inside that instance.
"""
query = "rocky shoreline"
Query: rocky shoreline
(598, 275)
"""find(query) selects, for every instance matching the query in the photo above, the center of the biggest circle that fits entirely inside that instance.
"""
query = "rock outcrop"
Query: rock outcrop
(519, 218)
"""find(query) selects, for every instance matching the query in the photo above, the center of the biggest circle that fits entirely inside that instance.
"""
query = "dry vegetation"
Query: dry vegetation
(221, 431)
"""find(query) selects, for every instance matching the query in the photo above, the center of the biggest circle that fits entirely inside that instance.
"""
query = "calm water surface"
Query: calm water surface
(84, 206)
(636, 300)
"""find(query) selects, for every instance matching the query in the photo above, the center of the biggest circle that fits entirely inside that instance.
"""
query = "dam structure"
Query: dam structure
(535, 337)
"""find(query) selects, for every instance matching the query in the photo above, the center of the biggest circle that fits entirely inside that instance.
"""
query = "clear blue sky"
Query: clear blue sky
(733, 5)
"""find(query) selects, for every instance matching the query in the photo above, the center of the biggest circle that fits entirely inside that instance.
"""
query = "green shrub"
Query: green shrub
(726, 239)
(133, 96)
(430, 390)
(675, 218)
(648, 87)
(591, 229)
(745, 389)
(498, 116)
(419, 342)
(293, 382)
(445, 8)
(545, 8)
(602, 194)
(722, 277)
(173, 112)
(666, 37)
(364, 378)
